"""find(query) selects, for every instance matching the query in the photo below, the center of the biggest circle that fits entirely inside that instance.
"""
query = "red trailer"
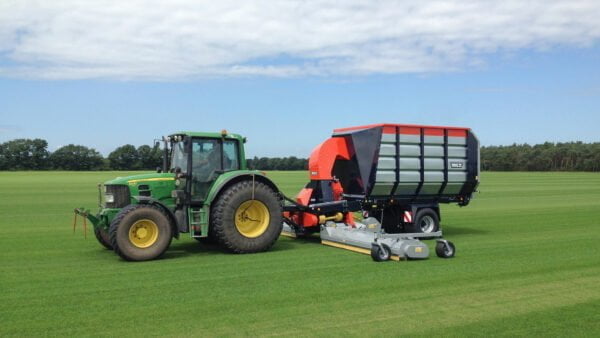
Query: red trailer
(396, 175)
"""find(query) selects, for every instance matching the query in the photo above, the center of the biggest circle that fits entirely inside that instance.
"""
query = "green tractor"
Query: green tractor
(203, 189)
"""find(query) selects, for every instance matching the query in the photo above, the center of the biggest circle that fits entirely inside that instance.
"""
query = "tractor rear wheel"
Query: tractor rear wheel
(247, 217)
(103, 238)
(140, 233)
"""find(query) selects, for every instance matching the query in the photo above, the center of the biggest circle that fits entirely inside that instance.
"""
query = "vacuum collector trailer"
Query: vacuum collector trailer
(396, 175)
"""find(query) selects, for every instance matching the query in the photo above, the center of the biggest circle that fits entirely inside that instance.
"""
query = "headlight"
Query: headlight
(109, 198)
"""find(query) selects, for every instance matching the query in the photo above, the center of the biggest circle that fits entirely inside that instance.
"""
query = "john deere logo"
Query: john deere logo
(456, 165)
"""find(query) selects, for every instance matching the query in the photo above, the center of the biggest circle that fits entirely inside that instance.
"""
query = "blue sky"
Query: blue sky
(285, 99)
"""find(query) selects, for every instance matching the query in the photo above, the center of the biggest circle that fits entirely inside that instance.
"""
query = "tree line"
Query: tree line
(33, 154)
(277, 163)
(570, 156)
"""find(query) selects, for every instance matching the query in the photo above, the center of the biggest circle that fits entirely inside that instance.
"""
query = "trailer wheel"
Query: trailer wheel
(380, 252)
(103, 237)
(445, 249)
(247, 217)
(140, 232)
(426, 221)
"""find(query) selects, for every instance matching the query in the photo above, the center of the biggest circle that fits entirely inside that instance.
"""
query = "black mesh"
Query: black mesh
(121, 195)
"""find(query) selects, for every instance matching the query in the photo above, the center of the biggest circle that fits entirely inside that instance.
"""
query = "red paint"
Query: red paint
(433, 132)
(409, 129)
(324, 156)
(303, 196)
(457, 133)
(349, 219)
(337, 190)
(389, 129)
(305, 219)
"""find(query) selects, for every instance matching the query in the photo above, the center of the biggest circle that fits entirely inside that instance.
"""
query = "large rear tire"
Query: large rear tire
(247, 217)
(103, 238)
(140, 233)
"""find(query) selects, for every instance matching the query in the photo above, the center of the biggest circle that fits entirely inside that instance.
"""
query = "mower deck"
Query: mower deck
(367, 237)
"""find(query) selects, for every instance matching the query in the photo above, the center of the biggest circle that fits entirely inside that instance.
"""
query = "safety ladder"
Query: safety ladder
(197, 218)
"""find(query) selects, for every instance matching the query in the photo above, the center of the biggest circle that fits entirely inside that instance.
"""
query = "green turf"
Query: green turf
(528, 263)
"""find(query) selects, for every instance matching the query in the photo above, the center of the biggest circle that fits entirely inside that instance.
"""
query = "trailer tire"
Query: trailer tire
(140, 232)
(247, 217)
(103, 238)
(426, 221)
(380, 252)
(445, 249)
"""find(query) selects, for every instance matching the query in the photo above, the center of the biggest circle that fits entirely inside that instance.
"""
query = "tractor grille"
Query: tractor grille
(121, 194)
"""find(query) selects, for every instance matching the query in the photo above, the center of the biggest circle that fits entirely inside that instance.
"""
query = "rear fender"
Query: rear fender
(232, 177)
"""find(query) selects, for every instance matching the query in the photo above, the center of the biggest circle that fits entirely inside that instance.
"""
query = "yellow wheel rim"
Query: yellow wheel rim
(252, 218)
(143, 233)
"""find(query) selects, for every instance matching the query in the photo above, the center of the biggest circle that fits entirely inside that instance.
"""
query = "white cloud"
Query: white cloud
(139, 39)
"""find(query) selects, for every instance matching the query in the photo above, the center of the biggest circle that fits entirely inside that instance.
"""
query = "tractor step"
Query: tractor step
(197, 220)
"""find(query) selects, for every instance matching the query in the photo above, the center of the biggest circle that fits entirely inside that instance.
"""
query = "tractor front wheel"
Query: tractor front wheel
(247, 217)
(103, 238)
(140, 233)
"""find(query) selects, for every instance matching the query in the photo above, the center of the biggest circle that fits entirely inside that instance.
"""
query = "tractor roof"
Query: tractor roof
(208, 134)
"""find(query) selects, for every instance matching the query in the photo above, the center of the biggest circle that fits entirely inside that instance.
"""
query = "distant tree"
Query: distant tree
(3, 158)
(251, 162)
(570, 156)
(24, 154)
(124, 158)
(149, 157)
(76, 157)
(277, 163)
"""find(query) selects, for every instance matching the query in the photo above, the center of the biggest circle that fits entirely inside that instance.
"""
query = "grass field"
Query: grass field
(528, 263)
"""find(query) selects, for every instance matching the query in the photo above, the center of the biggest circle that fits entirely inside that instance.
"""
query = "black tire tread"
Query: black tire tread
(114, 226)
(422, 212)
(103, 238)
(378, 255)
(440, 250)
(219, 211)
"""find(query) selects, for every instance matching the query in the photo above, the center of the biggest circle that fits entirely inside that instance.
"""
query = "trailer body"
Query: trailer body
(390, 172)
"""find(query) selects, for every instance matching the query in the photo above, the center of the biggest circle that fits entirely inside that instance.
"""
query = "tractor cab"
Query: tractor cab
(198, 159)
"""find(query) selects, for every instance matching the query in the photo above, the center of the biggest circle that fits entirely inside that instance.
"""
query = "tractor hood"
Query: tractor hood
(143, 178)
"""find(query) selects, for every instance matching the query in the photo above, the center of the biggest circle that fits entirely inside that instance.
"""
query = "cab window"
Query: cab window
(230, 155)
(206, 159)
